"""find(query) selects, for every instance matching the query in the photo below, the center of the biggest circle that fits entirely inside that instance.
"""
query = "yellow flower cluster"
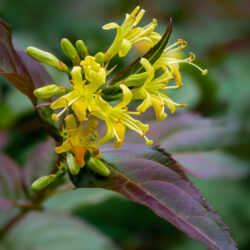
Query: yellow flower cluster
(83, 104)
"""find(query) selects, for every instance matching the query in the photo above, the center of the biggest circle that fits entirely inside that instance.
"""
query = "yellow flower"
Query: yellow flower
(93, 72)
(117, 119)
(127, 34)
(81, 96)
(150, 92)
(77, 139)
(169, 61)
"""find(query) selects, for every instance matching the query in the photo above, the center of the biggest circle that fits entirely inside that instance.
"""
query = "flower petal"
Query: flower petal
(110, 26)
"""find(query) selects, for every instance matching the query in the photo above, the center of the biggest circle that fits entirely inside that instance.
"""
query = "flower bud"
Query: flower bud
(47, 58)
(49, 91)
(100, 57)
(70, 51)
(42, 182)
(98, 166)
(81, 48)
(74, 168)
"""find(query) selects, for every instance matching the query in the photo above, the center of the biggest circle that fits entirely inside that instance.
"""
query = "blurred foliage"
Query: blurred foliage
(218, 32)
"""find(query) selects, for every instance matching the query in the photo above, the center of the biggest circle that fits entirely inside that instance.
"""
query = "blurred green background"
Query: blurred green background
(217, 31)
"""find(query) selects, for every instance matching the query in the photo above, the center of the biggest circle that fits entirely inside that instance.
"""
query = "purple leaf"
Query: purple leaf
(22, 83)
(40, 162)
(37, 72)
(5, 204)
(213, 164)
(20, 70)
(197, 144)
(9, 59)
(10, 178)
(149, 176)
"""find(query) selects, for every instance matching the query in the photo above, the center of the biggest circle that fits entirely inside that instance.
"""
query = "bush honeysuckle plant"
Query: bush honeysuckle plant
(84, 104)
(99, 93)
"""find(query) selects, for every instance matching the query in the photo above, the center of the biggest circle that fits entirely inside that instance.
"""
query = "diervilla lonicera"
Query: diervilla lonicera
(91, 94)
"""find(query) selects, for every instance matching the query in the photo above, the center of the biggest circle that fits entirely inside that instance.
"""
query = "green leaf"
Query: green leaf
(52, 231)
(152, 55)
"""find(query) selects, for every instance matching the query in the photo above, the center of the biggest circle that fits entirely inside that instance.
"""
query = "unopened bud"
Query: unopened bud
(98, 166)
(47, 58)
(74, 168)
(100, 57)
(70, 51)
(81, 48)
(49, 91)
(42, 182)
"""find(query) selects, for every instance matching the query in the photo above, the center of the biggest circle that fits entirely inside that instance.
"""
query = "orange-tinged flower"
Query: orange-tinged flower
(78, 139)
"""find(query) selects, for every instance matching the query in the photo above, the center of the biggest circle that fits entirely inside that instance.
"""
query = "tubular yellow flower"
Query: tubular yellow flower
(127, 34)
(117, 119)
(145, 79)
(81, 96)
(169, 62)
(77, 139)
(93, 71)
(150, 92)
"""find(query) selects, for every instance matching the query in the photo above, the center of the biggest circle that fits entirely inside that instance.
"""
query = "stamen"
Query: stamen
(183, 43)
(171, 48)
(132, 126)
(176, 104)
(203, 71)
(55, 117)
(148, 142)
(111, 70)
(191, 58)
(171, 87)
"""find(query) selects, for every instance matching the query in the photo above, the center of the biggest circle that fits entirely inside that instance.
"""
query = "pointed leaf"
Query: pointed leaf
(10, 178)
(40, 162)
(199, 144)
(9, 59)
(37, 71)
(150, 176)
(213, 164)
(152, 55)
(20, 70)
(23, 84)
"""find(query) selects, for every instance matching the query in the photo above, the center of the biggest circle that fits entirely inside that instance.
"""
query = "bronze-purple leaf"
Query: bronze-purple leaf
(150, 176)
(20, 70)
(40, 162)
(10, 178)
(199, 144)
